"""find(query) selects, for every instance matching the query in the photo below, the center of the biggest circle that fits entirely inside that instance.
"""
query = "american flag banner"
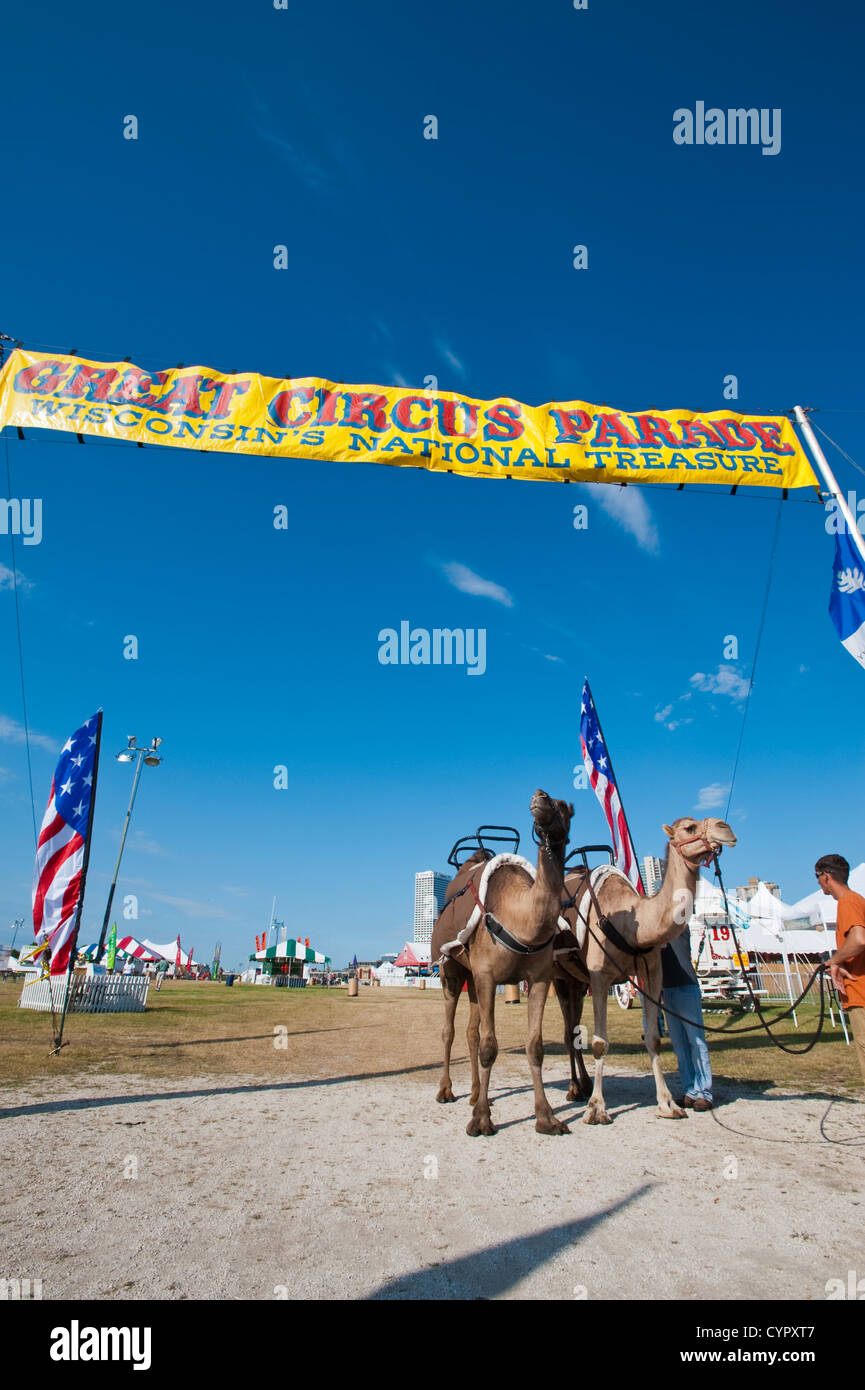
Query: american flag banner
(597, 763)
(63, 848)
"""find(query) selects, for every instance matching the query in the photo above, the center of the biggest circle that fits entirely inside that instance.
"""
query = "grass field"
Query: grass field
(191, 1029)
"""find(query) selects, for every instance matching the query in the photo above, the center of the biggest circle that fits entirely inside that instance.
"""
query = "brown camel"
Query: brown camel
(644, 923)
(528, 909)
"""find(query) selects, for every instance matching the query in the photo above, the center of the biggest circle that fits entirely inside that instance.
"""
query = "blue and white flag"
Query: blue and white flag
(847, 603)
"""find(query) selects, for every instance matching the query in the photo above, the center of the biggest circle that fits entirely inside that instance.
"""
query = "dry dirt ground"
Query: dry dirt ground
(298, 1177)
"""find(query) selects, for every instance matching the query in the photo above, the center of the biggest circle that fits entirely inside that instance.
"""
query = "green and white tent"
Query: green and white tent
(291, 950)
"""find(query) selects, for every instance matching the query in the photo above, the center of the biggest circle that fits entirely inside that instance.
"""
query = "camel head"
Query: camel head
(695, 839)
(552, 818)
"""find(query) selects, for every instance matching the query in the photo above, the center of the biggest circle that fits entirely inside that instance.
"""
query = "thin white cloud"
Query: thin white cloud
(146, 844)
(6, 574)
(725, 681)
(629, 509)
(13, 732)
(299, 163)
(450, 356)
(468, 582)
(711, 797)
(662, 716)
(191, 907)
(548, 656)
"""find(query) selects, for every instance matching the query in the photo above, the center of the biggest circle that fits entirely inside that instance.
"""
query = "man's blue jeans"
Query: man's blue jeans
(689, 1041)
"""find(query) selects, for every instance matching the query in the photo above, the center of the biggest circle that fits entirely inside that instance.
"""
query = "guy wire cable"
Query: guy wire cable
(20, 652)
(754, 663)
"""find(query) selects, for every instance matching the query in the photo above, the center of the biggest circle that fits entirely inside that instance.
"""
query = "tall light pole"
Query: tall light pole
(129, 754)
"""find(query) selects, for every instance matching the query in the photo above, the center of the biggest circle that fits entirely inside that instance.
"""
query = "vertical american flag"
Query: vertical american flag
(597, 764)
(64, 842)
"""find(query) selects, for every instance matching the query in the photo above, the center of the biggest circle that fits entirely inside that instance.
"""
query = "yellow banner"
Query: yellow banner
(195, 408)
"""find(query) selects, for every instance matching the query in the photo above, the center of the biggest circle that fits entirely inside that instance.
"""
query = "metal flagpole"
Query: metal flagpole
(615, 781)
(829, 478)
(831, 482)
(58, 1041)
(99, 949)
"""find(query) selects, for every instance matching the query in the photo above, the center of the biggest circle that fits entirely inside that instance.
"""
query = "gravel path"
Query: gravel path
(368, 1189)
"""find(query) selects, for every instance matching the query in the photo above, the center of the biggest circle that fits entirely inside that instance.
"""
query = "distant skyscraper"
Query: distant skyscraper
(747, 892)
(429, 899)
(652, 874)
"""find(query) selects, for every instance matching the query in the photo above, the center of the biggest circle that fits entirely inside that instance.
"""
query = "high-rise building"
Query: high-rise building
(429, 899)
(747, 891)
(652, 874)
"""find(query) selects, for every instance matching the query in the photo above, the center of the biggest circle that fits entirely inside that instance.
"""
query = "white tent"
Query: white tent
(758, 923)
(388, 973)
(10, 962)
(819, 907)
(169, 952)
(166, 952)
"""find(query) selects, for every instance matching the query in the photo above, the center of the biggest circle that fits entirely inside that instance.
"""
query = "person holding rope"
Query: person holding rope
(847, 965)
(681, 995)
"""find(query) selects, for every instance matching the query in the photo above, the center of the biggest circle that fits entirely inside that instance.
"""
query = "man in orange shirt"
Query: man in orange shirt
(847, 965)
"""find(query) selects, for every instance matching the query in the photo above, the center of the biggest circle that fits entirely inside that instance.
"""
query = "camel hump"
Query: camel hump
(459, 904)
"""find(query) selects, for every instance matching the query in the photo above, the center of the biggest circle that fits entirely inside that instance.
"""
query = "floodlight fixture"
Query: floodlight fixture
(128, 755)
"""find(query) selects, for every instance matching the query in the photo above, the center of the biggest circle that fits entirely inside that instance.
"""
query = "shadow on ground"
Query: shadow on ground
(488, 1274)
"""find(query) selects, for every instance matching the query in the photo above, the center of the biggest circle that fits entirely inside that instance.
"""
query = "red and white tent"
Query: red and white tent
(130, 947)
(412, 956)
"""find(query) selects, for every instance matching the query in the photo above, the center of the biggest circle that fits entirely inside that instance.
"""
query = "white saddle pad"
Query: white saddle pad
(489, 869)
(597, 876)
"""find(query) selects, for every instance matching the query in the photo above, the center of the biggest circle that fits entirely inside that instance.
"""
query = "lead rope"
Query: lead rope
(734, 1032)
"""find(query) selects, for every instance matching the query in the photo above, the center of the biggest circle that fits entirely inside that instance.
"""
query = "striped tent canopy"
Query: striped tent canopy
(413, 955)
(292, 950)
(130, 947)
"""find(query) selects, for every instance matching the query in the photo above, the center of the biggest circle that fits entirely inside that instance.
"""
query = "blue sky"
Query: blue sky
(410, 257)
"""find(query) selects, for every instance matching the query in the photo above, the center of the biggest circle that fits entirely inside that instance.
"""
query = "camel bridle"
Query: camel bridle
(544, 836)
(709, 854)
(498, 931)
(755, 1002)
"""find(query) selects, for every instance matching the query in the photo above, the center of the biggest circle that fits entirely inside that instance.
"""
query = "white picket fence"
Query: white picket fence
(430, 982)
(101, 994)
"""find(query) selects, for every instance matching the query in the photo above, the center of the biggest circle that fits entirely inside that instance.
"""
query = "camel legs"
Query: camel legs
(481, 1121)
(545, 1120)
(570, 996)
(452, 983)
(667, 1108)
(473, 1032)
(596, 1111)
